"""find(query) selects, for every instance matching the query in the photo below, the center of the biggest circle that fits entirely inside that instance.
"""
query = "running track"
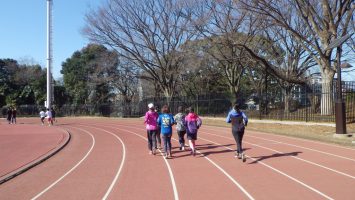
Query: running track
(108, 159)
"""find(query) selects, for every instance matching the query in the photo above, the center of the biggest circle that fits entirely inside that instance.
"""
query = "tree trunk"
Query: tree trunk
(168, 93)
(287, 99)
(327, 100)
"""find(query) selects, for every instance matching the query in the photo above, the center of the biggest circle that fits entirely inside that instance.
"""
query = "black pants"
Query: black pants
(238, 137)
(181, 135)
(151, 139)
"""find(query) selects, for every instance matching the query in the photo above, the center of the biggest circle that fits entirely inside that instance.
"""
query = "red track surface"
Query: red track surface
(108, 158)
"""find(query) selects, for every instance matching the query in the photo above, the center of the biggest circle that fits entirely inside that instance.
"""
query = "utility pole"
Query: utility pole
(49, 54)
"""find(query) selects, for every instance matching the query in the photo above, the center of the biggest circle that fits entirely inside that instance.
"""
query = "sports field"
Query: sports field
(108, 159)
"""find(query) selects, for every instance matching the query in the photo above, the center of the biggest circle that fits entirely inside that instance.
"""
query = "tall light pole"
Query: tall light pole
(340, 117)
(49, 54)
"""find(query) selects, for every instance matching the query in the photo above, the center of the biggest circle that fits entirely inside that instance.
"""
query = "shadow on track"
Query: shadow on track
(275, 155)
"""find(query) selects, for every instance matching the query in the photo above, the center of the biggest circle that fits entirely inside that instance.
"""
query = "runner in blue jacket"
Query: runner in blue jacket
(239, 121)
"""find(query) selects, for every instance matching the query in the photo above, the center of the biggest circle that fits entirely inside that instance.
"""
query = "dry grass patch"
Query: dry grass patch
(312, 132)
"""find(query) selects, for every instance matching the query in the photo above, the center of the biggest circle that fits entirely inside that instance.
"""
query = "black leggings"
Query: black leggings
(181, 135)
(238, 137)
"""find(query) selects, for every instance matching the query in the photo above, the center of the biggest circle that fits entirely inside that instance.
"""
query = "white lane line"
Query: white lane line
(176, 196)
(301, 139)
(307, 161)
(295, 157)
(72, 169)
(276, 170)
(226, 174)
(291, 138)
(218, 167)
(121, 165)
(302, 147)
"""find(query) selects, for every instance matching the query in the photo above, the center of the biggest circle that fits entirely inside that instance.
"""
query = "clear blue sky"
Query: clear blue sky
(23, 29)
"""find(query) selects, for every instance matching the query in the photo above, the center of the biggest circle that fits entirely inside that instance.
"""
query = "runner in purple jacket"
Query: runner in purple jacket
(192, 123)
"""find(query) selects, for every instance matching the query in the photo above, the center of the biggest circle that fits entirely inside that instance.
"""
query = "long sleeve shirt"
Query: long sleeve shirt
(238, 119)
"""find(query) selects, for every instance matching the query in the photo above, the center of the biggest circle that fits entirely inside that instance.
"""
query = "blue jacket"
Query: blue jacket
(238, 119)
(166, 121)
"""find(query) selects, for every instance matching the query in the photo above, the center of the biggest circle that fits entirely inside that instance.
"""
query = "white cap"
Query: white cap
(151, 105)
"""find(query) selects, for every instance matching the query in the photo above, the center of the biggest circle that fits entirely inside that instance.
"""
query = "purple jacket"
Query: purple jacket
(192, 123)
(150, 119)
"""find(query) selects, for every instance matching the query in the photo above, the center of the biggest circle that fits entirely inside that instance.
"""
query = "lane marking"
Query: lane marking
(72, 169)
(121, 165)
(302, 147)
(301, 139)
(307, 161)
(176, 196)
(276, 170)
(304, 160)
(292, 138)
(216, 165)
(318, 151)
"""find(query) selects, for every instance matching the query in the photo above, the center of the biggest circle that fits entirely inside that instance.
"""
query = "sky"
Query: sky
(23, 30)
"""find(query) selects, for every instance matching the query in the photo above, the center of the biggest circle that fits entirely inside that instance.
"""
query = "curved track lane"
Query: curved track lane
(108, 159)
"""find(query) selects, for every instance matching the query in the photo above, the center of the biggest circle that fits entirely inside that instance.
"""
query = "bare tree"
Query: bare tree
(295, 60)
(222, 25)
(148, 33)
(324, 20)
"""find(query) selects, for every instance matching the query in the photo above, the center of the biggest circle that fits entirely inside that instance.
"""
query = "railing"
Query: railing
(304, 104)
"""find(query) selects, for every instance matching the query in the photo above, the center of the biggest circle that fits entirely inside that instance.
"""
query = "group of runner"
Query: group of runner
(49, 114)
(11, 115)
(159, 125)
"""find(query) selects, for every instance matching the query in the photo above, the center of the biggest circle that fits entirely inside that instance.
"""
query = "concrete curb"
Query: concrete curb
(41, 159)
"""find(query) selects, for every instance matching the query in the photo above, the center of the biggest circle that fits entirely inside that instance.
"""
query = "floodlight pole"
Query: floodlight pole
(49, 53)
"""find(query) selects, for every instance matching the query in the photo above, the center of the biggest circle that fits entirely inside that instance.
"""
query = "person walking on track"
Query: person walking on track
(180, 126)
(53, 115)
(150, 120)
(166, 121)
(42, 115)
(192, 123)
(49, 117)
(9, 115)
(13, 116)
(239, 121)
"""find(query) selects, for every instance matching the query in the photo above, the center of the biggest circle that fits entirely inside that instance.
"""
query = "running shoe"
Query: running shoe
(243, 157)
(236, 154)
